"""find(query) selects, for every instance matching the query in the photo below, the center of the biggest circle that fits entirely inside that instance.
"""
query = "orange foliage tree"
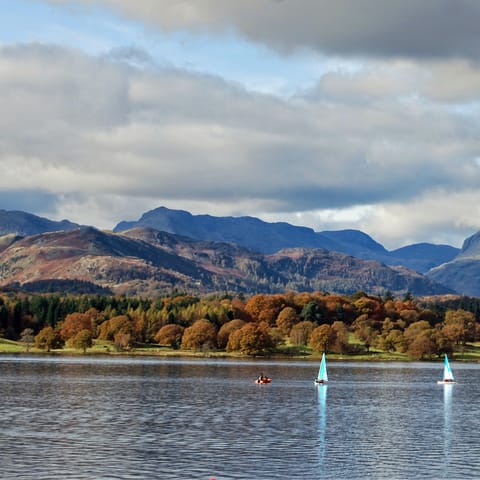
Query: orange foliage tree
(265, 308)
(170, 335)
(202, 334)
(459, 326)
(321, 337)
(226, 330)
(75, 323)
(119, 324)
(252, 339)
(286, 320)
(340, 337)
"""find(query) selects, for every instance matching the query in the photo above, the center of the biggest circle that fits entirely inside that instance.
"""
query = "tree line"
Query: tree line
(258, 325)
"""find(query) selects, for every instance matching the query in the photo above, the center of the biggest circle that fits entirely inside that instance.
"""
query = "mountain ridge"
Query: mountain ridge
(268, 238)
(25, 224)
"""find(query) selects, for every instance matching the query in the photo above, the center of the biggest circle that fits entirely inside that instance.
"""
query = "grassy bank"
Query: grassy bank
(471, 352)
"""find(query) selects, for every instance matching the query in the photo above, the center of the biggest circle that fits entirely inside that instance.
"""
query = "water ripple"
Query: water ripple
(192, 420)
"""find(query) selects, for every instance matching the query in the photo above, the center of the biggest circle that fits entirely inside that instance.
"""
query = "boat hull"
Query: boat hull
(263, 382)
(446, 382)
(320, 382)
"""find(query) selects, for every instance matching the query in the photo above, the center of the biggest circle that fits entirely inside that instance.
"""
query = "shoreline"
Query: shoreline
(332, 358)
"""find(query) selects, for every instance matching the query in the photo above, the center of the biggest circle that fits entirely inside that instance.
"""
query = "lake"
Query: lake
(152, 418)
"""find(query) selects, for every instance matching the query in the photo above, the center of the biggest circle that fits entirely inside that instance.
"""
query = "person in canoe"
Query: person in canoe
(263, 379)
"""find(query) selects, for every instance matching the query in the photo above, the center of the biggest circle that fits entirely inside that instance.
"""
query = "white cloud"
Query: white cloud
(370, 149)
(438, 216)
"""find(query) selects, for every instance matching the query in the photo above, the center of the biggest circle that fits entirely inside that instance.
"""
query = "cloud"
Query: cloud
(451, 81)
(400, 28)
(116, 140)
(438, 216)
(29, 200)
(132, 55)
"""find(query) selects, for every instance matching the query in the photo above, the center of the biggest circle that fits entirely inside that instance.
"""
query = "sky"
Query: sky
(333, 115)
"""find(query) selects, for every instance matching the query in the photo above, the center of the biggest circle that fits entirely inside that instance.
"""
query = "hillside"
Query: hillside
(148, 262)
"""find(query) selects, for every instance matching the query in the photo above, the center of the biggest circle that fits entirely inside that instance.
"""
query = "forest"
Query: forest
(263, 324)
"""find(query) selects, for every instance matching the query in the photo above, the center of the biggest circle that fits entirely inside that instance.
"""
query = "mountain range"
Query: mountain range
(269, 238)
(168, 250)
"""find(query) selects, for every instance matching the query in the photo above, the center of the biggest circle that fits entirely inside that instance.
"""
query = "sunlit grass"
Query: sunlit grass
(9, 346)
(468, 353)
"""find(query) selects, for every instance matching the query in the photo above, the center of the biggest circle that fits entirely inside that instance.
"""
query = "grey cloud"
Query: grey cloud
(164, 133)
(28, 200)
(130, 55)
(405, 28)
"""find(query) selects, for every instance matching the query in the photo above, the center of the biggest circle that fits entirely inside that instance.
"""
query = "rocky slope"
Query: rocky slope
(462, 274)
(148, 262)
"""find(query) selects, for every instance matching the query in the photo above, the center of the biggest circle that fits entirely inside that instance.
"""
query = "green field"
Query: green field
(470, 353)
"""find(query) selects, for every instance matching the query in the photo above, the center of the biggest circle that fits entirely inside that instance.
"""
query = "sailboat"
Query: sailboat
(322, 377)
(447, 373)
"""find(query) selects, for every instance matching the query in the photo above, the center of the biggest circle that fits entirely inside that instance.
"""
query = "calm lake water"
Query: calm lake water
(120, 418)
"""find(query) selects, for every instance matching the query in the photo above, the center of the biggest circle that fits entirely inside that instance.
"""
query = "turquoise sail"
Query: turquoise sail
(447, 374)
(322, 372)
(447, 371)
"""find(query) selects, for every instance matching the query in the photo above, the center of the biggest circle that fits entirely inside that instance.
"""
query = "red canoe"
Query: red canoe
(263, 380)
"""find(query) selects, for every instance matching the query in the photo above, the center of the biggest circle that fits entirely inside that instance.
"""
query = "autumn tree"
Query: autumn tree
(392, 341)
(340, 337)
(82, 340)
(300, 333)
(409, 316)
(75, 323)
(286, 319)
(421, 340)
(369, 306)
(422, 346)
(122, 340)
(364, 331)
(301, 299)
(459, 326)
(387, 325)
(265, 308)
(170, 335)
(321, 337)
(118, 324)
(226, 330)
(337, 308)
(47, 339)
(415, 330)
(202, 334)
(252, 339)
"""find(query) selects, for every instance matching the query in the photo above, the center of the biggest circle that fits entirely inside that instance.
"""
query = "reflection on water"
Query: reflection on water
(89, 418)
(322, 422)
(447, 432)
